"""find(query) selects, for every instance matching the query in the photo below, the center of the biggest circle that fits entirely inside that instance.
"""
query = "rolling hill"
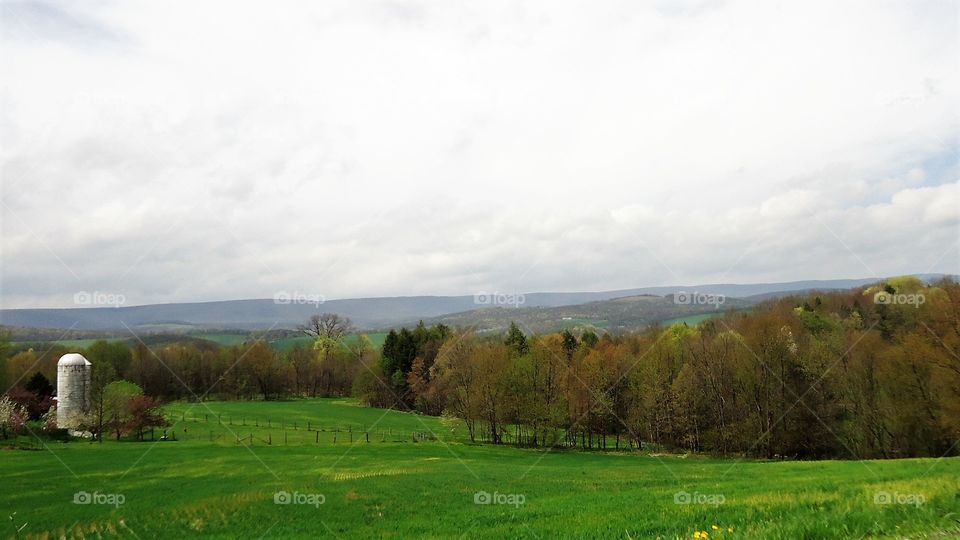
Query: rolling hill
(366, 313)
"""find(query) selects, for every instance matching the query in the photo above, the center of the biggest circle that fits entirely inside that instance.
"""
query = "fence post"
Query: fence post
(270, 439)
(318, 437)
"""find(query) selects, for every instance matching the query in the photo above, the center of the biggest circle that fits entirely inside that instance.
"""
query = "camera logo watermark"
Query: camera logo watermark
(110, 499)
(892, 299)
(98, 298)
(694, 298)
(499, 299)
(511, 499)
(685, 497)
(309, 499)
(298, 298)
(909, 499)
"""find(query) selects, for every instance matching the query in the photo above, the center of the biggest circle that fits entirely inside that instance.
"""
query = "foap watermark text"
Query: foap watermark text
(712, 499)
(298, 298)
(499, 299)
(109, 499)
(99, 298)
(510, 499)
(295, 497)
(695, 298)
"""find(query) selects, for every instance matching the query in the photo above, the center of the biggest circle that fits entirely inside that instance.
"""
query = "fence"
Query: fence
(247, 430)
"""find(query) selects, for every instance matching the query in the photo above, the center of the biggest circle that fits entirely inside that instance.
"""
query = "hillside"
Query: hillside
(618, 314)
(366, 313)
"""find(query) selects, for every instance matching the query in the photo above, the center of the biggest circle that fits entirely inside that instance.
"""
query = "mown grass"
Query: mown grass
(297, 421)
(426, 490)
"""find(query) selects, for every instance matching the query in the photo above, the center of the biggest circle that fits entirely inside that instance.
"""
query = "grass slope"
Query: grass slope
(690, 320)
(427, 489)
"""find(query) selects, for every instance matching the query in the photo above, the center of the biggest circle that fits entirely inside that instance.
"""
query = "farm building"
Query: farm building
(73, 389)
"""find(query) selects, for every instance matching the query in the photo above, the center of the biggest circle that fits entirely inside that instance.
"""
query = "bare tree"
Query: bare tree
(327, 326)
(328, 330)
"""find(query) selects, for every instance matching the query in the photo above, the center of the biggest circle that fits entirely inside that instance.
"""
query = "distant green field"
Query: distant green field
(224, 340)
(691, 320)
(431, 489)
(78, 343)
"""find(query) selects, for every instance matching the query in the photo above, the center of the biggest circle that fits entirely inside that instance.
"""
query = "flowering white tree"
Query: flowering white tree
(12, 416)
(49, 419)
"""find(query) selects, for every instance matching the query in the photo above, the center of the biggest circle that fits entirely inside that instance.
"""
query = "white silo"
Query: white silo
(73, 389)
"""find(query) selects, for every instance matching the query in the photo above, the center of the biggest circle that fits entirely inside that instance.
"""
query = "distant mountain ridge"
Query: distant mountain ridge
(368, 313)
(625, 313)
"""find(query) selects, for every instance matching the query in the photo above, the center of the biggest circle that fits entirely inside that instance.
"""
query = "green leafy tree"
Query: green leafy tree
(117, 408)
(589, 338)
(114, 353)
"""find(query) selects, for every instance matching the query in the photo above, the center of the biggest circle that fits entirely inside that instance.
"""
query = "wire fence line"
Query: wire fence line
(249, 430)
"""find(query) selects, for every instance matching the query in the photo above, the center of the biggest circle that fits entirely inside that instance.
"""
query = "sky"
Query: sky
(197, 151)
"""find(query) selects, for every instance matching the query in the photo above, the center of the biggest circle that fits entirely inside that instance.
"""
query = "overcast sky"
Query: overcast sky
(191, 151)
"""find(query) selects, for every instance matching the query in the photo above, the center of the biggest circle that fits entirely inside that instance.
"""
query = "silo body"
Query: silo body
(73, 389)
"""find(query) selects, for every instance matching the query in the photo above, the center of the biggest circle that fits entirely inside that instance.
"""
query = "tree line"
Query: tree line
(869, 373)
(863, 373)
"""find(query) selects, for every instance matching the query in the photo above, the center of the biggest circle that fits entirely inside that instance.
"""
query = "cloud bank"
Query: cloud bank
(185, 152)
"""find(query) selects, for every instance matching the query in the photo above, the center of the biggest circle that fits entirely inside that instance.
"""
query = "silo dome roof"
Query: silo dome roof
(73, 359)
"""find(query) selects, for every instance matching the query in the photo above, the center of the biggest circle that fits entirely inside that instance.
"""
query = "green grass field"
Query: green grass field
(297, 422)
(691, 320)
(224, 339)
(405, 489)
(76, 343)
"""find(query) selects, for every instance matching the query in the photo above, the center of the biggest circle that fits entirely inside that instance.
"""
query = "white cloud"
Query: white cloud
(184, 151)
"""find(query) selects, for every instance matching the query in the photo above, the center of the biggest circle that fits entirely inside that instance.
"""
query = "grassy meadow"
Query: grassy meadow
(205, 483)
(691, 320)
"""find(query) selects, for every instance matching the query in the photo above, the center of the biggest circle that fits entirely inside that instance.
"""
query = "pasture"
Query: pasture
(444, 487)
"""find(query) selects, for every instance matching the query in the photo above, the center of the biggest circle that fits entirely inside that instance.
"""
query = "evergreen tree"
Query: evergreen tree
(516, 340)
(39, 386)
